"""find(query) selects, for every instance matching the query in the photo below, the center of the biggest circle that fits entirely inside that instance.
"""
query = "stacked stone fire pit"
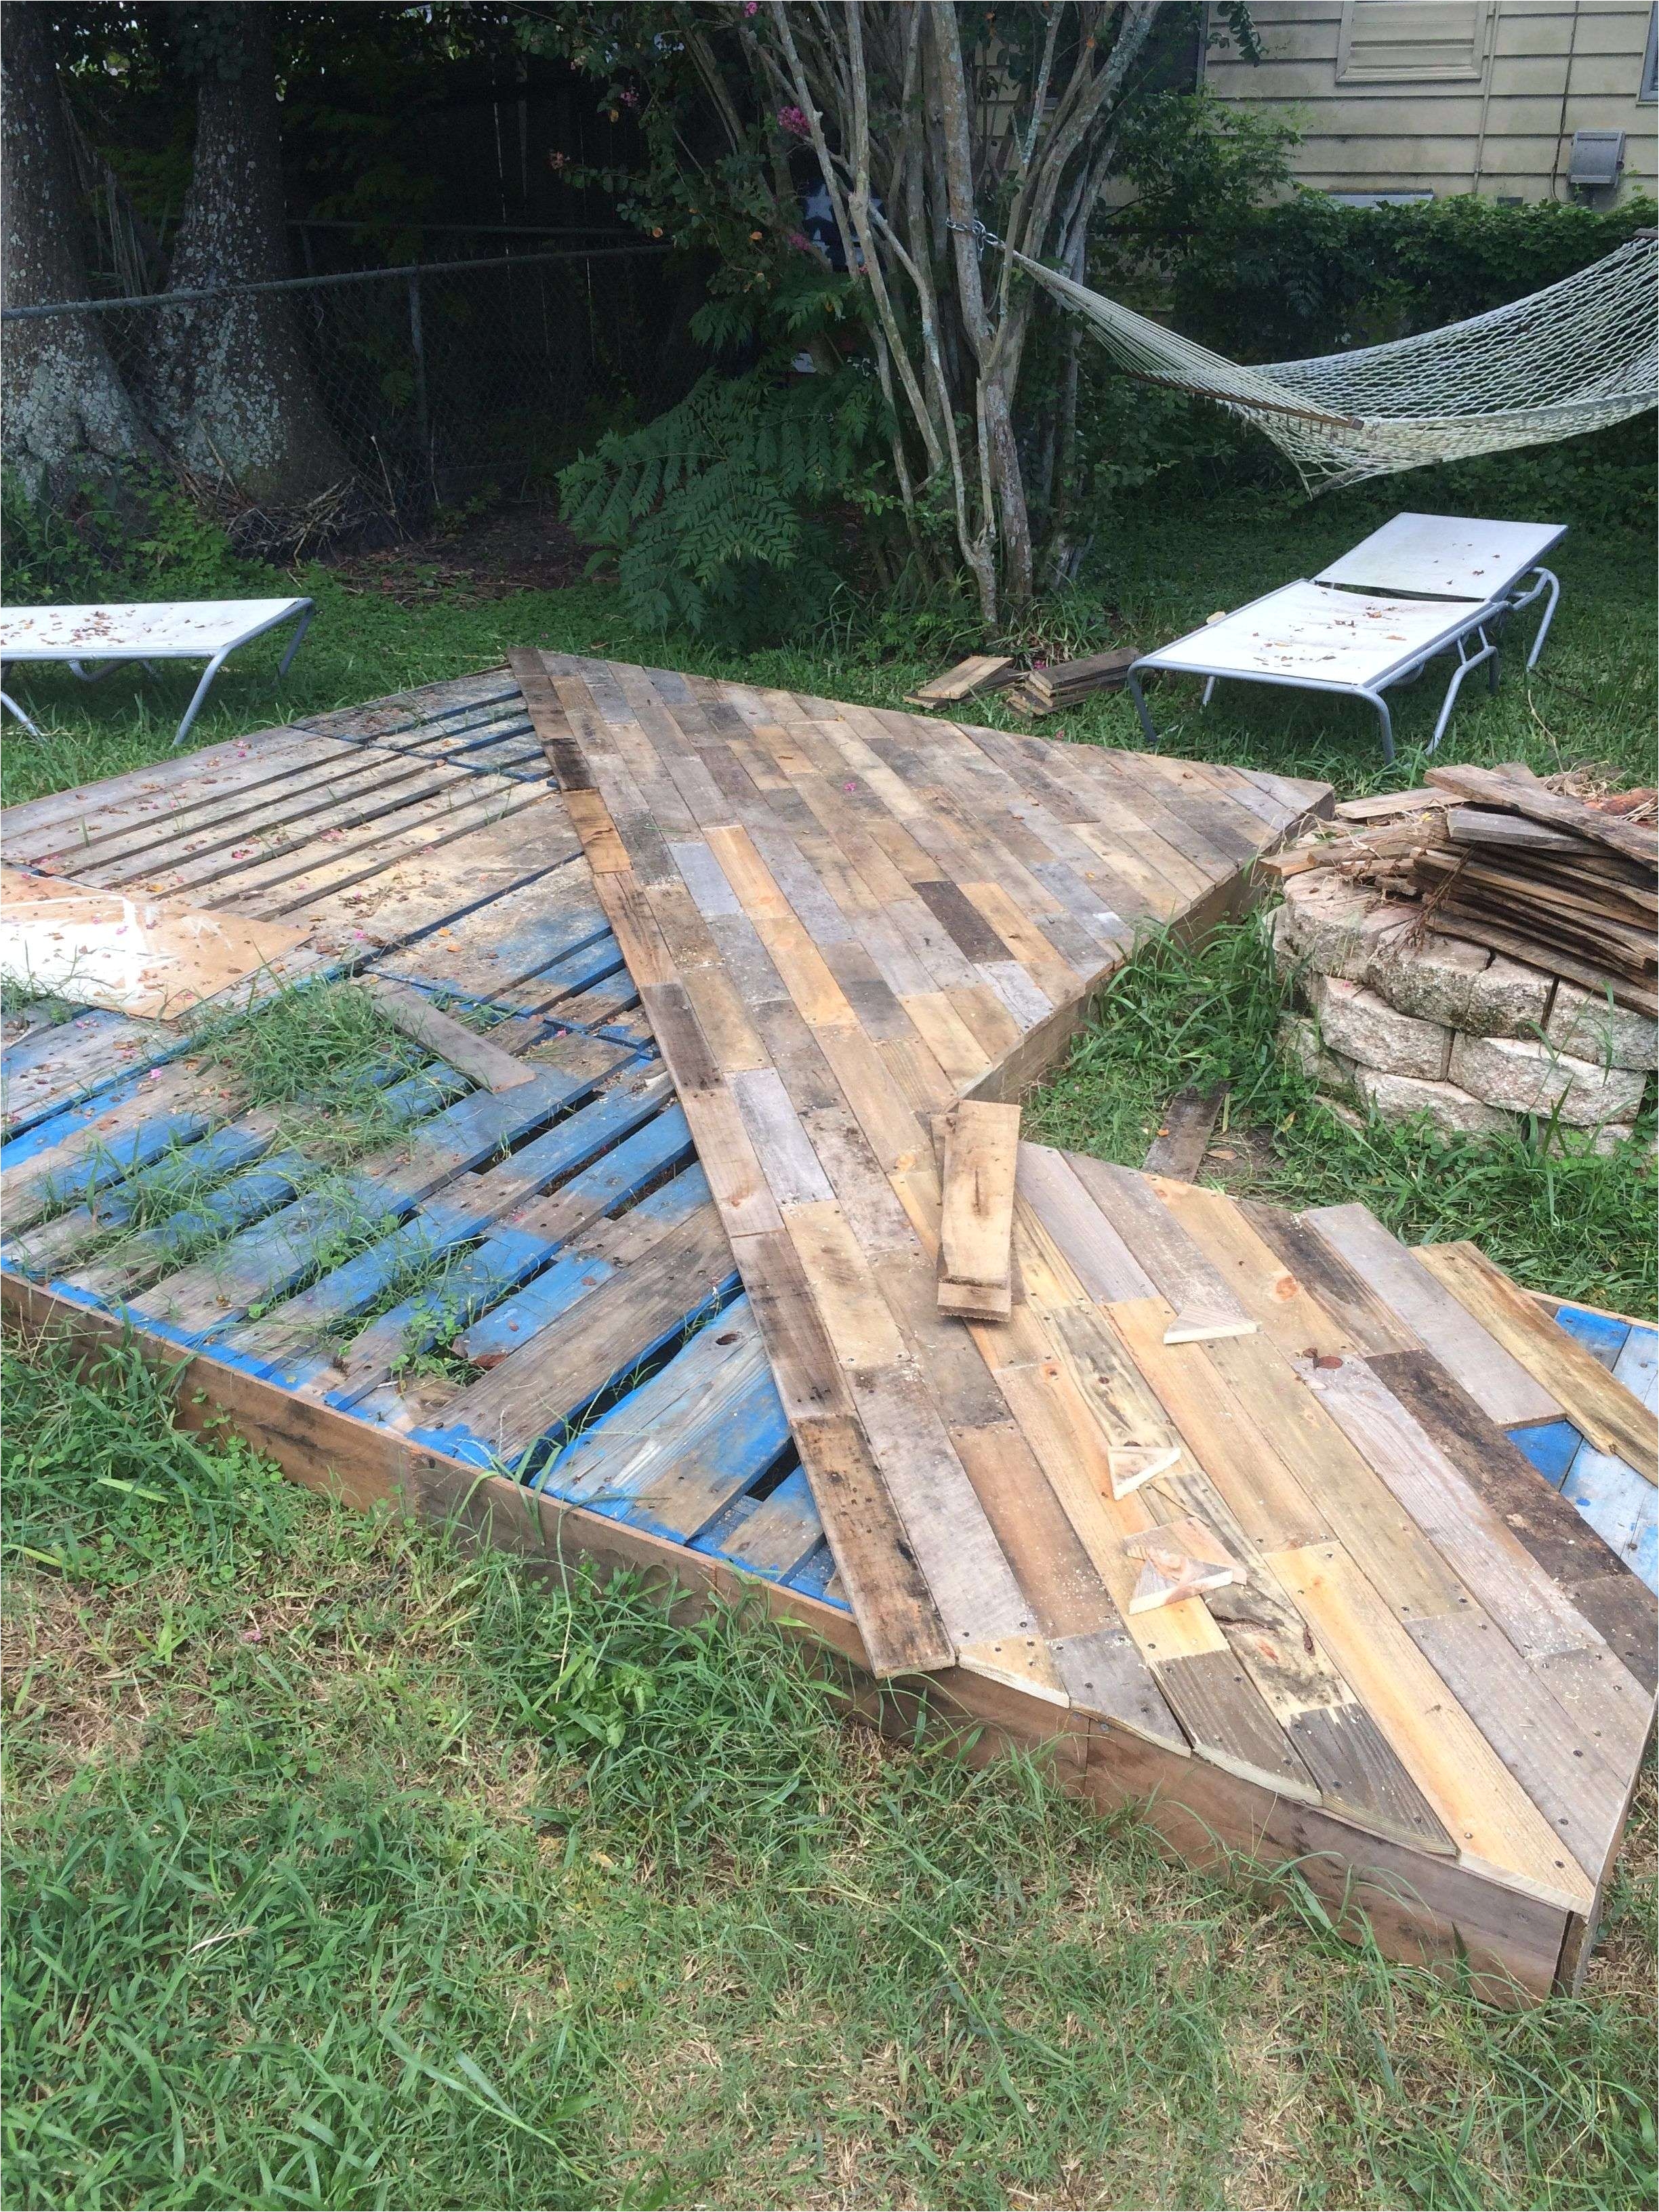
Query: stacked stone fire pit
(1402, 1022)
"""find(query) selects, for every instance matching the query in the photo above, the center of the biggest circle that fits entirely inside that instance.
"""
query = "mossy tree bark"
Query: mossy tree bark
(228, 385)
(69, 421)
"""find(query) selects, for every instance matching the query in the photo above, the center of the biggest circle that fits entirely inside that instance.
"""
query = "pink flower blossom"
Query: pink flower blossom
(629, 99)
(794, 122)
(752, 7)
(801, 242)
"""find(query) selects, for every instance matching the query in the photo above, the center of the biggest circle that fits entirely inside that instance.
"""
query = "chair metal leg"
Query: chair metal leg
(1139, 698)
(1467, 661)
(201, 688)
(1387, 721)
(103, 669)
(12, 707)
(1554, 585)
(1210, 682)
(300, 629)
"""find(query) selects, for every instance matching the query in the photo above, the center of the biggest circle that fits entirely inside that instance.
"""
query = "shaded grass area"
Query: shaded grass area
(345, 1869)
(1553, 1213)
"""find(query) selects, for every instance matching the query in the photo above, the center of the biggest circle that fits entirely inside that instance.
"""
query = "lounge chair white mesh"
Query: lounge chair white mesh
(96, 640)
(1422, 585)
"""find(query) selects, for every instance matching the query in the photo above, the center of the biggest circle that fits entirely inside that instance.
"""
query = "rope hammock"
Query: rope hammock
(1576, 357)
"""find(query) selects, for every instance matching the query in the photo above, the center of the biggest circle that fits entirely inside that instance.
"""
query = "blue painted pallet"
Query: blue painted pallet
(1620, 1503)
(687, 1440)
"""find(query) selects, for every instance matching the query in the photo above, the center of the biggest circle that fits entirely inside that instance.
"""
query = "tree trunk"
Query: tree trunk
(68, 419)
(230, 388)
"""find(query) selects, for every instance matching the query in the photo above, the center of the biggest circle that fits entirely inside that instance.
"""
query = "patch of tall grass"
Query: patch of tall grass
(1558, 1217)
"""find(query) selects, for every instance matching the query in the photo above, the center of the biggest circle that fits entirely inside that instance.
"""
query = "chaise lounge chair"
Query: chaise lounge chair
(1419, 587)
(166, 629)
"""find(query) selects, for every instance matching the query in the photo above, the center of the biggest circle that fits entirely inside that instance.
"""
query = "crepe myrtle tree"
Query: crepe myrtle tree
(902, 124)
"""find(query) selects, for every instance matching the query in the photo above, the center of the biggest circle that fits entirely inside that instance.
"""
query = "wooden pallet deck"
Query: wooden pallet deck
(1428, 1679)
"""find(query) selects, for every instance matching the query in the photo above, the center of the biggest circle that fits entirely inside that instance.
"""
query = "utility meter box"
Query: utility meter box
(1598, 156)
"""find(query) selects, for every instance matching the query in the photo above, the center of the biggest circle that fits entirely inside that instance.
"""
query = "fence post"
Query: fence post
(423, 419)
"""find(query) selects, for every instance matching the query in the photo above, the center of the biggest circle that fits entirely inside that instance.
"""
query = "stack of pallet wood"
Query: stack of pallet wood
(1060, 684)
(1564, 884)
(1044, 690)
(980, 672)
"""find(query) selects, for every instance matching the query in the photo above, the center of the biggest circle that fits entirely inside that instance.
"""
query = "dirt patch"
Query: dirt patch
(521, 548)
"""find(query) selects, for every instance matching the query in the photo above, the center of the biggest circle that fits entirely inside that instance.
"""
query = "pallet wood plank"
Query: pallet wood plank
(1492, 1376)
(1611, 1415)
(1488, 1558)
(1581, 1795)
(1178, 1149)
(1263, 1286)
(1564, 1545)
(507, 1412)
(1205, 1308)
(410, 1012)
(976, 1217)
(1486, 1810)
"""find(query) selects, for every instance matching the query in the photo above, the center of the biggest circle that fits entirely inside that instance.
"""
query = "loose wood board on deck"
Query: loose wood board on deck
(151, 958)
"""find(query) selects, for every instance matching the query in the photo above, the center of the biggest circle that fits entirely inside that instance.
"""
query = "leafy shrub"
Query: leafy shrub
(143, 540)
(716, 509)
(1307, 276)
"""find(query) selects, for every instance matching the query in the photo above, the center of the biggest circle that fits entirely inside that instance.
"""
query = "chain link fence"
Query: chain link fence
(446, 381)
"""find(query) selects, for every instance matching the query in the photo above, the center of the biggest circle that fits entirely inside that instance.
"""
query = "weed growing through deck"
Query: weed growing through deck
(315, 1065)
(416, 1883)
(322, 1057)
(1560, 1219)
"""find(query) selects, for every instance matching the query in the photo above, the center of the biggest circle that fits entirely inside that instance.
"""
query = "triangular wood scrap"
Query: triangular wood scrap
(1192, 1325)
(1132, 1465)
(1181, 1559)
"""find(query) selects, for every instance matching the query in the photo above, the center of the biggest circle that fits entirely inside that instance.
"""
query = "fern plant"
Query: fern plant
(714, 510)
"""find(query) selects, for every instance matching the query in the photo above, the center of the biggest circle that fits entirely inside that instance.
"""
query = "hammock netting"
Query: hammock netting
(1576, 357)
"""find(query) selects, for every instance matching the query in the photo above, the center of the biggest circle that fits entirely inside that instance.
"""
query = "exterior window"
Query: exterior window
(1412, 41)
(1650, 91)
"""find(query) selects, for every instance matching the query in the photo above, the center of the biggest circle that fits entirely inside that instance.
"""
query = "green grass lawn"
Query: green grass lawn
(346, 1870)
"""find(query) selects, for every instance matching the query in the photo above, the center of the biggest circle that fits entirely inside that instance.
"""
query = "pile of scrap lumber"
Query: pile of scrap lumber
(1564, 883)
(980, 671)
(1064, 682)
(1042, 689)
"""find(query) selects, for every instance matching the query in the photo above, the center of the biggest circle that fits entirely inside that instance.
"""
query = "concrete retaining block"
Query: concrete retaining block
(1300, 1043)
(1337, 927)
(1525, 1076)
(1394, 1097)
(1590, 1029)
(1363, 1026)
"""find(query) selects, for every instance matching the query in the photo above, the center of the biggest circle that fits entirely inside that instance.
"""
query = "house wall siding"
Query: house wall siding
(1542, 70)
